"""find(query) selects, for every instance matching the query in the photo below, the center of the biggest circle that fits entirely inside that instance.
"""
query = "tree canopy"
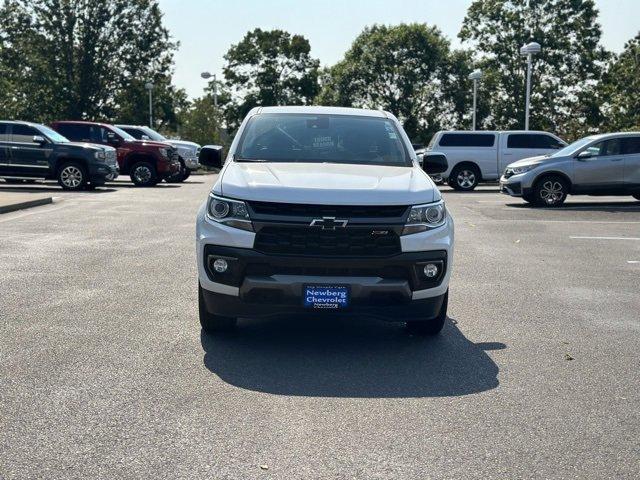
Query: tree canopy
(269, 68)
(565, 72)
(83, 59)
(406, 69)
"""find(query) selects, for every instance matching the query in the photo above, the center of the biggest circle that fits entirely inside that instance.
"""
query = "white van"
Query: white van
(483, 155)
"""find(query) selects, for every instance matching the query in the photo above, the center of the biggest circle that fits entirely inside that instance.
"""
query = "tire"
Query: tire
(528, 198)
(179, 176)
(187, 174)
(636, 196)
(464, 178)
(550, 191)
(72, 176)
(432, 326)
(143, 174)
(211, 323)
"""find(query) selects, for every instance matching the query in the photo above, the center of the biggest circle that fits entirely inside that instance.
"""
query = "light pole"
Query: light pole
(149, 86)
(529, 51)
(207, 76)
(475, 76)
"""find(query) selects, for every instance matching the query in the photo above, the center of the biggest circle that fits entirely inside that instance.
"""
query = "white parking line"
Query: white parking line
(633, 261)
(606, 238)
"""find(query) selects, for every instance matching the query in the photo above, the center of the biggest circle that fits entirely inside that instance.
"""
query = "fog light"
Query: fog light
(430, 270)
(220, 265)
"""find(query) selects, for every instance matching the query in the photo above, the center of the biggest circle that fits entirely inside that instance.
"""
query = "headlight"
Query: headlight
(425, 217)
(100, 155)
(519, 170)
(230, 212)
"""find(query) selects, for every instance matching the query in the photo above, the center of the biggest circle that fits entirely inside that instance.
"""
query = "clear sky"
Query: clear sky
(207, 28)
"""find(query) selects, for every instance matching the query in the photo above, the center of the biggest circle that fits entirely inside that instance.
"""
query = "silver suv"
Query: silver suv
(606, 164)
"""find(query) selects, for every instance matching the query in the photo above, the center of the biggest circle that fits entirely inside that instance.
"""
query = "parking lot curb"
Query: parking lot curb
(7, 206)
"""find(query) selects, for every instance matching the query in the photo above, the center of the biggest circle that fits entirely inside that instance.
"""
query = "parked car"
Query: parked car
(597, 165)
(482, 155)
(146, 162)
(30, 151)
(188, 152)
(324, 209)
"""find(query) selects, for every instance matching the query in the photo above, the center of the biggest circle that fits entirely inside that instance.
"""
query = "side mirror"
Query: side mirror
(211, 156)
(434, 163)
(39, 139)
(584, 155)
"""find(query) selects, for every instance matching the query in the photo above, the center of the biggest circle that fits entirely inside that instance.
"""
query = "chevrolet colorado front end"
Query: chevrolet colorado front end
(324, 210)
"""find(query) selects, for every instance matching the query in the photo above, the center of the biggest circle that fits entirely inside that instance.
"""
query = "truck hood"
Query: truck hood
(184, 144)
(325, 183)
(151, 143)
(87, 145)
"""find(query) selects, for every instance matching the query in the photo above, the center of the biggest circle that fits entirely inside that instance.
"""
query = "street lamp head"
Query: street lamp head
(475, 75)
(206, 75)
(148, 86)
(530, 49)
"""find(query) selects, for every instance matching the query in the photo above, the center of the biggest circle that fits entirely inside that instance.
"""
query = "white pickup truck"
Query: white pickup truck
(324, 210)
(483, 155)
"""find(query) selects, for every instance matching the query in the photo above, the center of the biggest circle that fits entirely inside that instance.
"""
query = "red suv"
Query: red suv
(146, 162)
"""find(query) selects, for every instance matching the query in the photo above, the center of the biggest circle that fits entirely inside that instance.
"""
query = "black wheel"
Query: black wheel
(213, 323)
(636, 196)
(143, 174)
(528, 198)
(72, 176)
(550, 191)
(179, 176)
(187, 174)
(433, 326)
(464, 178)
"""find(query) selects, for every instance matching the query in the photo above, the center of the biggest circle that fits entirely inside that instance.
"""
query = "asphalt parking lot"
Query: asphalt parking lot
(104, 372)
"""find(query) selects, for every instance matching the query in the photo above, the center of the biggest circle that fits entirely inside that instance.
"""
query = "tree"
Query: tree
(565, 73)
(408, 70)
(620, 90)
(201, 122)
(77, 59)
(269, 68)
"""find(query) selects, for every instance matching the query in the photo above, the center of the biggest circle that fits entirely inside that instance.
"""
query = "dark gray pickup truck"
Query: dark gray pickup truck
(30, 151)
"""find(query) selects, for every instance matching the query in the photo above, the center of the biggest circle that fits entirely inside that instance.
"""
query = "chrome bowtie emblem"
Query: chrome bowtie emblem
(328, 223)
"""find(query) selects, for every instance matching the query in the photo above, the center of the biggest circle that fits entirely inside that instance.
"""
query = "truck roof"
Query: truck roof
(319, 110)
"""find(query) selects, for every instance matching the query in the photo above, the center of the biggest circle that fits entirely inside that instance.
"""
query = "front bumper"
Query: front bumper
(191, 162)
(259, 284)
(101, 173)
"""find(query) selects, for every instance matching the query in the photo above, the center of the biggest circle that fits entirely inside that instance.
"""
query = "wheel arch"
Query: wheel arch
(134, 157)
(549, 173)
(466, 163)
(62, 160)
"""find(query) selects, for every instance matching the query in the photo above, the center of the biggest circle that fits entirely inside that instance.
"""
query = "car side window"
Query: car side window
(605, 148)
(75, 133)
(467, 140)
(533, 140)
(4, 132)
(23, 134)
(630, 145)
(134, 132)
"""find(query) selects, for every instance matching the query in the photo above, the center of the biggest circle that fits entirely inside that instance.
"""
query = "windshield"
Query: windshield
(152, 134)
(52, 135)
(122, 133)
(573, 148)
(311, 138)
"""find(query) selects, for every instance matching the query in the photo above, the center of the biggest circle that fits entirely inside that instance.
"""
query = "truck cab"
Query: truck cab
(483, 155)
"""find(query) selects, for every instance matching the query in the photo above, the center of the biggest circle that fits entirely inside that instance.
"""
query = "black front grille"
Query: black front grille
(319, 211)
(342, 242)
(268, 269)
